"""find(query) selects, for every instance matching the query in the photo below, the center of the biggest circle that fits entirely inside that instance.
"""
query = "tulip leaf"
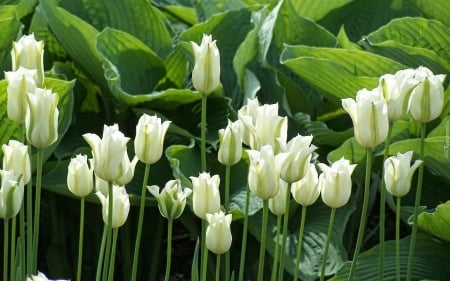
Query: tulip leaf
(315, 235)
(430, 261)
(437, 9)
(10, 27)
(414, 42)
(437, 222)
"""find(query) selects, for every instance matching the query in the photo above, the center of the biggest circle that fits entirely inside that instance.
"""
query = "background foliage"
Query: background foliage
(112, 60)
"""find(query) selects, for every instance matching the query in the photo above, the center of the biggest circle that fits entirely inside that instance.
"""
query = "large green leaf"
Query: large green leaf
(437, 222)
(315, 234)
(207, 9)
(413, 42)
(431, 261)
(10, 27)
(316, 10)
(436, 9)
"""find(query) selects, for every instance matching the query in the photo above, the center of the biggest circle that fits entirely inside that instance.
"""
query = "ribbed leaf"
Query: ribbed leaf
(316, 10)
(10, 28)
(437, 222)
(431, 261)
(436, 9)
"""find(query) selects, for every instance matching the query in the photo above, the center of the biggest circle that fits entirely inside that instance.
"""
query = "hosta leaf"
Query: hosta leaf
(437, 9)
(316, 10)
(10, 27)
(207, 9)
(430, 261)
(437, 222)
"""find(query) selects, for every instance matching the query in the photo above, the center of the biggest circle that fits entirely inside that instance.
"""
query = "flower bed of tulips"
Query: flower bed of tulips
(281, 140)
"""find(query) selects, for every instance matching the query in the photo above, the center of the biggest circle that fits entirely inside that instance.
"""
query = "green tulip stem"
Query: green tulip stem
(285, 232)
(262, 249)
(22, 239)
(203, 133)
(113, 254)
(397, 239)
(277, 250)
(327, 244)
(363, 220)
(204, 252)
(140, 223)
(227, 208)
(106, 261)
(6, 247)
(383, 207)
(169, 249)
(244, 235)
(80, 239)
(218, 268)
(299, 243)
(13, 248)
(417, 203)
(101, 254)
(29, 239)
(37, 208)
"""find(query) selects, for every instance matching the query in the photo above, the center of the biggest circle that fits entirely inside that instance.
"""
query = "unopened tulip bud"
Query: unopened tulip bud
(29, 53)
(398, 173)
(172, 199)
(206, 73)
(427, 98)
(149, 141)
(335, 183)
(11, 194)
(16, 158)
(218, 232)
(80, 179)
(369, 115)
(120, 208)
(20, 83)
(205, 194)
(230, 149)
(127, 168)
(277, 204)
(41, 119)
(306, 191)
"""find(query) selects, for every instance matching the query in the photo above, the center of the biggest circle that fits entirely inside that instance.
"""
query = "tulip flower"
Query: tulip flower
(80, 176)
(206, 73)
(40, 277)
(335, 183)
(16, 158)
(396, 90)
(218, 233)
(127, 168)
(398, 173)
(20, 83)
(149, 141)
(296, 157)
(263, 172)
(120, 207)
(205, 195)
(247, 117)
(29, 53)
(370, 117)
(41, 119)
(427, 97)
(109, 153)
(306, 191)
(11, 194)
(172, 199)
(277, 204)
(230, 149)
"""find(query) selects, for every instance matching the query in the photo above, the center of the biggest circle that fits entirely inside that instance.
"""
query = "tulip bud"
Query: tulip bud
(120, 208)
(172, 199)
(306, 191)
(218, 232)
(20, 83)
(41, 119)
(149, 140)
(296, 157)
(427, 98)
(40, 277)
(263, 172)
(370, 117)
(100, 184)
(247, 115)
(206, 73)
(29, 53)
(270, 128)
(396, 90)
(205, 195)
(277, 204)
(398, 173)
(109, 153)
(79, 176)
(11, 195)
(16, 158)
(230, 149)
(335, 183)
(126, 170)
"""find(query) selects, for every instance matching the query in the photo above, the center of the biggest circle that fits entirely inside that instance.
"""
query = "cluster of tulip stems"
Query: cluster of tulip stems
(278, 168)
